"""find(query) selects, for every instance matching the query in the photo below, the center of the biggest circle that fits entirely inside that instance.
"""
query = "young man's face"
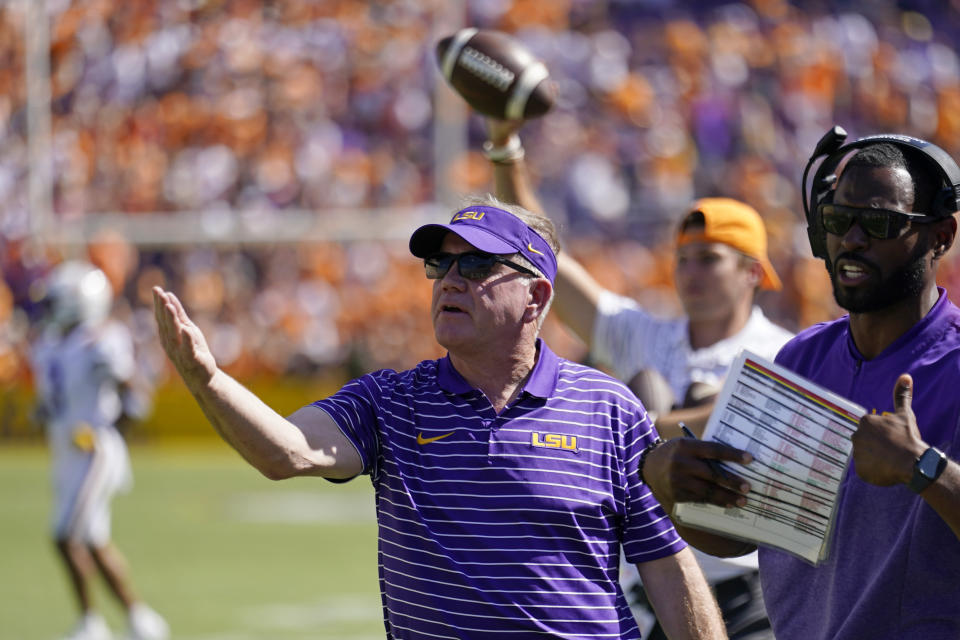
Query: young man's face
(712, 279)
(478, 314)
(867, 273)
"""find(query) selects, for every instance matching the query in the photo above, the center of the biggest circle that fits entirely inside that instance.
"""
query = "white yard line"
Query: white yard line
(305, 507)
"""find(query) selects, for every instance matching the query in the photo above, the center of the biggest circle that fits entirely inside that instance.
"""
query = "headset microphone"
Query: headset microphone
(830, 141)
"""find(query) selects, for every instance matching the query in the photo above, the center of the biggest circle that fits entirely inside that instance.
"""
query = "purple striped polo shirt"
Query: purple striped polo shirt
(507, 524)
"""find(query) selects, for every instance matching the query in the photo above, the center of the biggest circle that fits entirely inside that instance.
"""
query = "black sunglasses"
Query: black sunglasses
(881, 224)
(473, 265)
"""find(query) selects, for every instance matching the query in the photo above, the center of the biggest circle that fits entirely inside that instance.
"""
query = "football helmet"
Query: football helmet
(77, 293)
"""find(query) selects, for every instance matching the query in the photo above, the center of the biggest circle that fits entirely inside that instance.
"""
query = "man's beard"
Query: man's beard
(905, 282)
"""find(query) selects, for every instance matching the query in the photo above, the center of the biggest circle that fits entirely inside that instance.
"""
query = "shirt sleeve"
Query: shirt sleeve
(624, 335)
(648, 532)
(40, 369)
(616, 328)
(763, 337)
(356, 408)
(115, 352)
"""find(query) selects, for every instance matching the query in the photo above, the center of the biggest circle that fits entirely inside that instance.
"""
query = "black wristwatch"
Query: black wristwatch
(927, 469)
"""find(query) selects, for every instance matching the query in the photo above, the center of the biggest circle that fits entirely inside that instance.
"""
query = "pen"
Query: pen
(714, 465)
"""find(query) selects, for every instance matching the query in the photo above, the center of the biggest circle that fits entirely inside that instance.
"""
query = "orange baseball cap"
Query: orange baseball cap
(736, 225)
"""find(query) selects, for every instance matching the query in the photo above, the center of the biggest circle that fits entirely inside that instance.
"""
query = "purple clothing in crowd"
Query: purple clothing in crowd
(512, 524)
(894, 567)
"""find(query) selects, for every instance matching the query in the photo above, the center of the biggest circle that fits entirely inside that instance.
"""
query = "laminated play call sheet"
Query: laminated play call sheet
(799, 436)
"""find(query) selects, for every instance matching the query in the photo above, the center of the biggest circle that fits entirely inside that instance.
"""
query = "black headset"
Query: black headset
(946, 202)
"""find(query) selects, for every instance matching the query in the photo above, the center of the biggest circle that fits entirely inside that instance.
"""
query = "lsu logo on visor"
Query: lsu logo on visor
(554, 441)
(468, 215)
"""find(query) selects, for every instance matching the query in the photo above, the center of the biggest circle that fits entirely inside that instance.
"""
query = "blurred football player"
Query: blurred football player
(84, 369)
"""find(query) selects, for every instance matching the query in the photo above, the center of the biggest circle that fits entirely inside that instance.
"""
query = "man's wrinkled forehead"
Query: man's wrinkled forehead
(882, 187)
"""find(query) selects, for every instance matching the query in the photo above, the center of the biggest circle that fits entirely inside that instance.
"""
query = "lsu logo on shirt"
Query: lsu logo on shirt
(468, 215)
(554, 441)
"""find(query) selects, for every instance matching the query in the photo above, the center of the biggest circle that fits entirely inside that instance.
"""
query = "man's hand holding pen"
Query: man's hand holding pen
(686, 470)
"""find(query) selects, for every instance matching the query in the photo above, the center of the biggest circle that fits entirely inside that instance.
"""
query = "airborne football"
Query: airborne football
(496, 74)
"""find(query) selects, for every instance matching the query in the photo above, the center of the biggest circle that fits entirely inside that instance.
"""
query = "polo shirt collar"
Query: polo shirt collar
(450, 379)
(541, 383)
(543, 380)
(917, 340)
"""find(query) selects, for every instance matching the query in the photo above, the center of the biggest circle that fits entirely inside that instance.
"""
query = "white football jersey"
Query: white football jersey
(627, 339)
(77, 377)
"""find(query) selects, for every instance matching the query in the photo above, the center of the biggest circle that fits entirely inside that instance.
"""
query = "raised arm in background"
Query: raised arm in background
(577, 292)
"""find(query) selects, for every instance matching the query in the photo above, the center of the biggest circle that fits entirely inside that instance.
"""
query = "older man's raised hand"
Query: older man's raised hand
(182, 340)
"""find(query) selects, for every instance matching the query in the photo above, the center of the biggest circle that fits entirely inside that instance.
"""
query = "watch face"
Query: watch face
(928, 462)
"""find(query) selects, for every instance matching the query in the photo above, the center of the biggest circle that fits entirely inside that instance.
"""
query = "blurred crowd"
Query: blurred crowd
(253, 105)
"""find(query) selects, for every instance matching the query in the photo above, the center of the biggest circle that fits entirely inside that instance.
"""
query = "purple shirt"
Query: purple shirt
(507, 524)
(894, 567)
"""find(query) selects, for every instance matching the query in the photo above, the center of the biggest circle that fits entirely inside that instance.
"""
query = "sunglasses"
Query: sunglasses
(882, 224)
(474, 265)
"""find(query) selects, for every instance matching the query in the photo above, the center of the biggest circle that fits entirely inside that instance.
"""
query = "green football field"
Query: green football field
(222, 552)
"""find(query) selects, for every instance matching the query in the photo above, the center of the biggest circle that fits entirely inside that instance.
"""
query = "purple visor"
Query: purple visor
(491, 230)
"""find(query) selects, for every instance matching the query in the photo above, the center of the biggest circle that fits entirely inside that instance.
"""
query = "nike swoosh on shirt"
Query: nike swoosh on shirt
(421, 440)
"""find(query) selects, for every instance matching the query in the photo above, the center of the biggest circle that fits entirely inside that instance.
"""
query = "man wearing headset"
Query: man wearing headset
(893, 567)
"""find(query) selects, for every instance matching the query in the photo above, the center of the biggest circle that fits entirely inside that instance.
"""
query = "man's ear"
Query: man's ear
(756, 273)
(944, 233)
(538, 297)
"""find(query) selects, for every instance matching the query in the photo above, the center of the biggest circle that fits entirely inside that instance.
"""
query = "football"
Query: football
(496, 74)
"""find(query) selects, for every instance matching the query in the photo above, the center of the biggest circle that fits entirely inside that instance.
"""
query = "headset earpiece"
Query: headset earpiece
(945, 202)
(816, 234)
(821, 189)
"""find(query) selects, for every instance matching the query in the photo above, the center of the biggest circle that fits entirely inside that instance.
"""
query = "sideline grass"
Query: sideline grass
(222, 552)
